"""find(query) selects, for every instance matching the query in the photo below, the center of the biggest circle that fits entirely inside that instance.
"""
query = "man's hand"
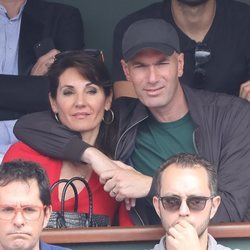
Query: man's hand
(245, 90)
(125, 182)
(182, 236)
(102, 164)
(44, 62)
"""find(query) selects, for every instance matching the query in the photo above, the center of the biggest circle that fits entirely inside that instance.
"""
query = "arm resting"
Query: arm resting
(44, 134)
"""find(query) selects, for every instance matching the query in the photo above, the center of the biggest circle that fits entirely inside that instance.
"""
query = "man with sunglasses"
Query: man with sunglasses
(185, 209)
(168, 118)
(25, 206)
(219, 28)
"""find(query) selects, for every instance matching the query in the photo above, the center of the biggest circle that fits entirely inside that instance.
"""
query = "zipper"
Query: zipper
(139, 217)
(194, 142)
(117, 145)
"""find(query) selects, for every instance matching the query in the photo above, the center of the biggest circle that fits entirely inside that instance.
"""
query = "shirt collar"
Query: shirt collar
(3, 12)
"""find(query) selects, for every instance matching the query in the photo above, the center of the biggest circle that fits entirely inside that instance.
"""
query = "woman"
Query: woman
(80, 97)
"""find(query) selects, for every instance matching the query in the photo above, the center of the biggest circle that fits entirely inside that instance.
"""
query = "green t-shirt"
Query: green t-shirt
(156, 141)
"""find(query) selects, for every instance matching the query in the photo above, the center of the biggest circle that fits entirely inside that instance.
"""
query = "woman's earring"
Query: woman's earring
(108, 117)
(57, 117)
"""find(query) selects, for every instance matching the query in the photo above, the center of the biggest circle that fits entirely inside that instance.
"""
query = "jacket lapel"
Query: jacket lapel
(30, 33)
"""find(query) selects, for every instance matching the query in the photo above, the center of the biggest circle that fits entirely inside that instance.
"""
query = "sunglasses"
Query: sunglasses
(96, 53)
(194, 203)
(202, 55)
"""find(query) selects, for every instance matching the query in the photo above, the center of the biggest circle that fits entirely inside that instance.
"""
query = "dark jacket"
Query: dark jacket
(222, 136)
(40, 19)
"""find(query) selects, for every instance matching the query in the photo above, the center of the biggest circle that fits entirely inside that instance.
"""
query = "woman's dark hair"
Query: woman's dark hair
(95, 71)
(25, 171)
(87, 66)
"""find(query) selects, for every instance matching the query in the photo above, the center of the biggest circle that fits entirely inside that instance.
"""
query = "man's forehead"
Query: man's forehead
(149, 56)
(150, 52)
(182, 178)
(18, 186)
(20, 192)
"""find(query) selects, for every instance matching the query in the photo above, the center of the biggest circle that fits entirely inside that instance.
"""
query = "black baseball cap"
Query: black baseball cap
(150, 33)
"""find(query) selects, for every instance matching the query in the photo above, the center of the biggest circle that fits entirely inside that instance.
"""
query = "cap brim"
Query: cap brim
(131, 53)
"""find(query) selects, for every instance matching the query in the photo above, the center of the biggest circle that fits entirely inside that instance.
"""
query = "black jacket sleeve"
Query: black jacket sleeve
(43, 133)
(20, 95)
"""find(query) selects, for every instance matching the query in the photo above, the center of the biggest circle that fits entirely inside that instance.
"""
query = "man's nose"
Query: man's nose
(184, 209)
(153, 74)
(19, 219)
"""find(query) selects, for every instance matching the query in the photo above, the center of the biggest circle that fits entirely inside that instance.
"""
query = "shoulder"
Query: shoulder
(234, 11)
(153, 10)
(213, 245)
(125, 106)
(19, 148)
(233, 5)
(44, 246)
(125, 101)
(212, 106)
(40, 116)
(161, 245)
(205, 97)
(50, 5)
(38, 7)
(21, 151)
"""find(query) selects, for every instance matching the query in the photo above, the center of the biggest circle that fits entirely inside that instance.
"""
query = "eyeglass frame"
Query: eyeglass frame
(20, 209)
(187, 200)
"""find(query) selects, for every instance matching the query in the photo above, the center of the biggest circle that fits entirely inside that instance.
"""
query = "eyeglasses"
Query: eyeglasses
(28, 212)
(194, 203)
(96, 53)
(202, 55)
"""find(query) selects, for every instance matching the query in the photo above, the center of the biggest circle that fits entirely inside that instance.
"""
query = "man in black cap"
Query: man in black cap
(219, 28)
(166, 119)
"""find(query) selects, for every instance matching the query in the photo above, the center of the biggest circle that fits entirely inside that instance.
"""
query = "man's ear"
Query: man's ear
(47, 213)
(215, 204)
(156, 204)
(180, 59)
(125, 69)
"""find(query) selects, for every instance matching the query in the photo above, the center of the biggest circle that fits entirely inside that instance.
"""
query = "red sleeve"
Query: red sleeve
(21, 151)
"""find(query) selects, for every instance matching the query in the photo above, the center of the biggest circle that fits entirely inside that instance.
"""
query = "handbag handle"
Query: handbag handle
(89, 220)
(73, 187)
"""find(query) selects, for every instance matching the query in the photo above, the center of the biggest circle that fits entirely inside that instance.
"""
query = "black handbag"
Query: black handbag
(62, 219)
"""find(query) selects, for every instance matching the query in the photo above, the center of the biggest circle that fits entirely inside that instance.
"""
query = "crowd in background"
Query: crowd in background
(180, 83)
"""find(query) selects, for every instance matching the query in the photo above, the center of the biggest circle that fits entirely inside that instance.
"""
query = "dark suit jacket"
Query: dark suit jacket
(40, 19)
